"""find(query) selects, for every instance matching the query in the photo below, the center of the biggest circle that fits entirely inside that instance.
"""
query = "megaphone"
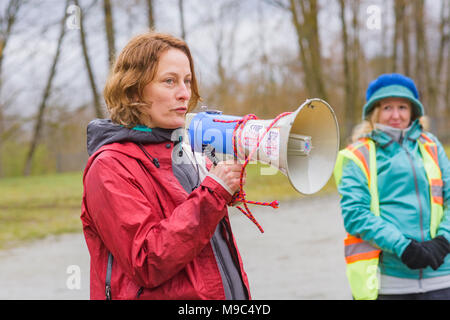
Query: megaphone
(302, 144)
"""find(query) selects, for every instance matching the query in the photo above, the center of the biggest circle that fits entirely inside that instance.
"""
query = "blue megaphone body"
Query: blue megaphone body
(204, 129)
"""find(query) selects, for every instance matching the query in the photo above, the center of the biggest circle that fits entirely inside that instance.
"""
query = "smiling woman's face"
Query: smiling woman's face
(169, 92)
(395, 112)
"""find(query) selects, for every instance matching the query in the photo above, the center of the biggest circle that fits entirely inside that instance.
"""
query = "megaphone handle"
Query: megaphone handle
(211, 154)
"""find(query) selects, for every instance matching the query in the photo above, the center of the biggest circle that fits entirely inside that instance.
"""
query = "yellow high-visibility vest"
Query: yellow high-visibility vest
(361, 257)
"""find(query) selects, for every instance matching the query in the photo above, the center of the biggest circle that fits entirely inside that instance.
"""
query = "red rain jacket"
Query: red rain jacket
(158, 234)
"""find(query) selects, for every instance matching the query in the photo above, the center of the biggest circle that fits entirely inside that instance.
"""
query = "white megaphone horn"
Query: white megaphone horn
(302, 144)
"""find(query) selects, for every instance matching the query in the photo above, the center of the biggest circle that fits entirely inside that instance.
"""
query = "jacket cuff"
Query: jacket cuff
(211, 182)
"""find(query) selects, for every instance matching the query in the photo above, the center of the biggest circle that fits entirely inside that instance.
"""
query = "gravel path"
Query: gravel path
(300, 256)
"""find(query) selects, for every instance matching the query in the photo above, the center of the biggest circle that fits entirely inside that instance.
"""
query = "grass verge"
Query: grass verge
(37, 206)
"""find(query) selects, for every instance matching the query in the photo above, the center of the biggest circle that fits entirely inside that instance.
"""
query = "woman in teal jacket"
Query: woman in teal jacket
(414, 261)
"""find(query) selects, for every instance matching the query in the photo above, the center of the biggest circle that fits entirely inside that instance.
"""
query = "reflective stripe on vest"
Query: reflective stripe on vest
(361, 257)
(429, 151)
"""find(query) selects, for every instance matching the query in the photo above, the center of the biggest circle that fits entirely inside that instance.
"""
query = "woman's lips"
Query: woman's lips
(181, 109)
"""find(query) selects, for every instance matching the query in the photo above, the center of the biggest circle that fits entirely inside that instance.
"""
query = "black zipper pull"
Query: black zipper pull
(138, 294)
(152, 159)
(108, 292)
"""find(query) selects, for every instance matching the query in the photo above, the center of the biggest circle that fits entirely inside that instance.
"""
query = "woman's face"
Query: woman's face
(395, 112)
(169, 92)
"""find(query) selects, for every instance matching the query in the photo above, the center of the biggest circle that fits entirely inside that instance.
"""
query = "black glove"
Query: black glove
(416, 256)
(438, 247)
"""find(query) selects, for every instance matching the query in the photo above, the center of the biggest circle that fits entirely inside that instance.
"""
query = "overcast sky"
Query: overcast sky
(256, 27)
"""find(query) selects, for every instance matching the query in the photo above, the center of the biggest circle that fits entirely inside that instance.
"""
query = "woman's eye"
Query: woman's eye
(169, 81)
(187, 82)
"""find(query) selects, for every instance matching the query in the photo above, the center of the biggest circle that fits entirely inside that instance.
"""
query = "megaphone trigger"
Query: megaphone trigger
(210, 152)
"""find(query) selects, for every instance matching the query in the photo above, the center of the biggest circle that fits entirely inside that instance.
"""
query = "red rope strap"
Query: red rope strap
(237, 133)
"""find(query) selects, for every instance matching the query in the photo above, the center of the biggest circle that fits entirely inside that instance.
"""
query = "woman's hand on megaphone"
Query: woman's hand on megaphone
(229, 171)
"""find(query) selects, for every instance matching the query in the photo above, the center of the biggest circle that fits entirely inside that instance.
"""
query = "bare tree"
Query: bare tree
(225, 47)
(398, 11)
(356, 55)
(422, 73)
(444, 38)
(444, 24)
(351, 57)
(447, 94)
(97, 106)
(304, 17)
(348, 87)
(182, 24)
(446, 115)
(405, 5)
(401, 36)
(151, 14)
(109, 28)
(42, 106)
(6, 25)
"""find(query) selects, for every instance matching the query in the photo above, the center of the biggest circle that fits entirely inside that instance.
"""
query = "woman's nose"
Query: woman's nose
(183, 93)
(395, 113)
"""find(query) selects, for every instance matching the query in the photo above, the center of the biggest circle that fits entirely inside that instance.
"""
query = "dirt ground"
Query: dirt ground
(299, 256)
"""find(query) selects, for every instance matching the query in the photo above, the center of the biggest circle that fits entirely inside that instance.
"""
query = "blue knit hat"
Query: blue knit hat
(392, 85)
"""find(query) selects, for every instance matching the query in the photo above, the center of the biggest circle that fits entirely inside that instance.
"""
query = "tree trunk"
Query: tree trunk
(347, 73)
(351, 57)
(355, 51)
(397, 31)
(109, 28)
(423, 66)
(151, 15)
(95, 95)
(182, 25)
(405, 37)
(446, 115)
(447, 93)
(11, 13)
(300, 36)
(443, 41)
(40, 117)
(307, 30)
(316, 51)
(438, 79)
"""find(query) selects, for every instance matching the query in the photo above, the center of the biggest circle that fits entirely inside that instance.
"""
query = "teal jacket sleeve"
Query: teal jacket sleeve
(359, 220)
(444, 226)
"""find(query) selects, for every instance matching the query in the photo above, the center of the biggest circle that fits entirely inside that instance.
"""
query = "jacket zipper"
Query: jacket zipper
(157, 165)
(108, 276)
(416, 185)
(220, 258)
(234, 251)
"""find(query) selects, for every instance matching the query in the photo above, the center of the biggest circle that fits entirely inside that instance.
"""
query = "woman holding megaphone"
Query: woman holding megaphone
(394, 180)
(155, 227)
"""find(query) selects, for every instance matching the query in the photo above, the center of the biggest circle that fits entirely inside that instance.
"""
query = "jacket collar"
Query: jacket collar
(101, 132)
(385, 135)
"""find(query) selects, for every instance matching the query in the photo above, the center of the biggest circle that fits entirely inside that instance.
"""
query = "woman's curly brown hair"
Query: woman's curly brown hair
(136, 67)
